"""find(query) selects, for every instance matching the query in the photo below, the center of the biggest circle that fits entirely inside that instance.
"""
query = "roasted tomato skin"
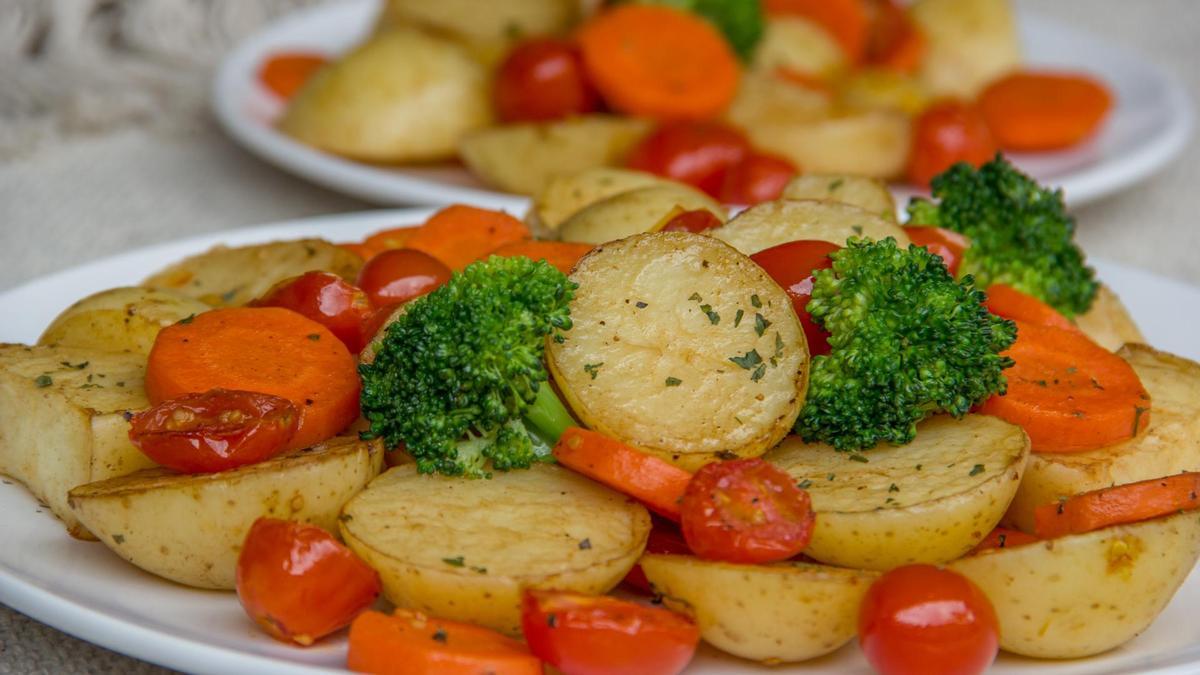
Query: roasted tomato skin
(791, 265)
(396, 276)
(665, 538)
(543, 79)
(757, 178)
(695, 221)
(947, 133)
(696, 153)
(327, 299)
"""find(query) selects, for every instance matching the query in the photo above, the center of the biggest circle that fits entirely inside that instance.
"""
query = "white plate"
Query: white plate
(1149, 125)
(83, 589)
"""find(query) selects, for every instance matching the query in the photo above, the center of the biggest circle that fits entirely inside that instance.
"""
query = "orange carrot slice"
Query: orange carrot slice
(285, 73)
(1118, 505)
(1005, 301)
(410, 643)
(848, 21)
(459, 235)
(1044, 111)
(561, 254)
(655, 482)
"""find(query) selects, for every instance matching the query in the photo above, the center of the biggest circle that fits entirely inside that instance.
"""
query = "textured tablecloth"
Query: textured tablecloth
(95, 197)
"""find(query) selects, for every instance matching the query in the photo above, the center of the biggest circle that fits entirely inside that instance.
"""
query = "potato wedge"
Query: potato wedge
(123, 319)
(773, 613)
(1086, 593)
(668, 352)
(567, 194)
(874, 143)
(635, 212)
(800, 45)
(783, 220)
(1108, 322)
(190, 528)
(522, 158)
(488, 29)
(765, 98)
(868, 194)
(465, 549)
(881, 89)
(969, 43)
(1169, 444)
(232, 276)
(929, 501)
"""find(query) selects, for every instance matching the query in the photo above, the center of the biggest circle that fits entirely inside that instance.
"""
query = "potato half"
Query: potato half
(969, 43)
(765, 98)
(190, 528)
(869, 194)
(783, 220)
(120, 319)
(488, 29)
(565, 195)
(929, 501)
(882, 89)
(1108, 322)
(635, 212)
(774, 613)
(873, 143)
(1086, 593)
(800, 45)
(465, 549)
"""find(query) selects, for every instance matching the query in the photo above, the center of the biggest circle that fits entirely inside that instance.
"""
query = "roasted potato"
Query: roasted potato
(773, 613)
(566, 194)
(881, 89)
(778, 222)
(683, 347)
(189, 528)
(123, 319)
(1083, 594)
(402, 96)
(522, 158)
(929, 501)
(487, 29)
(868, 194)
(1108, 322)
(969, 43)
(635, 212)
(874, 143)
(800, 45)
(232, 276)
(765, 98)
(465, 549)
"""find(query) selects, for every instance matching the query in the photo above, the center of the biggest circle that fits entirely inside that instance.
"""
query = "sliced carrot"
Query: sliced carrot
(1002, 537)
(561, 254)
(848, 21)
(285, 73)
(1005, 301)
(660, 62)
(411, 643)
(1068, 393)
(894, 41)
(1044, 111)
(264, 349)
(386, 240)
(803, 79)
(655, 482)
(458, 235)
(1117, 505)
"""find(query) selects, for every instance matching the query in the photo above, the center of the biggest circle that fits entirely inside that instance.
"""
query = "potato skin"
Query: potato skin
(969, 43)
(1108, 322)
(487, 29)
(869, 194)
(778, 222)
(765, 99)
(873, 143)
(123, 319)
(566, 194)
(634, 212)
(800, 45)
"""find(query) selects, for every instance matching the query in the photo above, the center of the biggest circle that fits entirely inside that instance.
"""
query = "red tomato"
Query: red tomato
(298, 583)
(401, 274)
(945, 134)
(696, 153)
(664, 538)
(745, 511)
(543, 79)
(757, 178)
(791, 265)
(920, 619)
(695, 221)
(217, 430)
(326, 299)
(600, 635)
(948, 244)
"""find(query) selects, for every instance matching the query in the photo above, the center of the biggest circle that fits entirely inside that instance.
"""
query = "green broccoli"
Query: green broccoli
(907, 341)
(740, 21)
(460, 374)
(1020, 233)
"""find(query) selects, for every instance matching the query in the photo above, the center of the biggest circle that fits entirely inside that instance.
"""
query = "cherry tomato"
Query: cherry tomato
(696, 153)
(543, 79)
(920, 619)
(326, 299)
(791, 265)
(948, 244)
(664, 538)
(757, 178)
(298, 583)
(894, 41)
(600, 635)
(216, 430)
(745, 511)
(696, 221)
(401, 274)
(945, 134)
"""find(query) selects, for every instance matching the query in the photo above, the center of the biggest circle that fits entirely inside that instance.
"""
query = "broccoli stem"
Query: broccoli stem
(547, 415)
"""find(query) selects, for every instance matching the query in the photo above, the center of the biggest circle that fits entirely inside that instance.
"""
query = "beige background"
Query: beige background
(105, 194)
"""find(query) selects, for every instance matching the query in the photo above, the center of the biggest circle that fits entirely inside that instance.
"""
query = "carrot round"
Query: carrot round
(1068, 393)
(1044, 111)
(459, 235)
(562, 254)
(655, 482)
(1005, 301)
(1002, 537)
(894, 41)
(410, 643)
(848, 21)
(1118, 505)
(285, 73)
(264, 349)
(659, 62)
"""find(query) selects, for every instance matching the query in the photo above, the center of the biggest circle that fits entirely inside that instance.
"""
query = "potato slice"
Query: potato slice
(764, 98)
(120, 319)
(783, 220)
(874, 143)
(1170, 443)
(635, 212)
(190, 528)
(868, 194)
(773, 613)
(969, 43)
(1108, 322)
(1086, 593)
(929, 501)
(228, 277)
(881, 89)
(800, 45)
(522, 158)
(465, 549)
(565, 195)
(488, 29)
(669, 354)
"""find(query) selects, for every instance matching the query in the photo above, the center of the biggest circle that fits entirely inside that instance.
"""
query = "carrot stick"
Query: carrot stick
(659, 62)
(1044, 111)
(561, 254)
(1068, 393)
(1117, 505)
(285, 73)
(1005, 301)
(264, 349)
(459, 235)
(848, 21)
(654, 482)
(410, 643)
(1002, 537)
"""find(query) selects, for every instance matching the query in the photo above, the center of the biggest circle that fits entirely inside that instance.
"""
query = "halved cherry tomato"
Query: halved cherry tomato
(745, 511)
(217, 430)
(298, 583)
(543, 79)
(285, 73)
(757, 178)
(326, 299)
(600, 635)
(664, 538)
(696, 221)
(920, 619)
(399, 275)
(945, 134)
(894, 41)
(791, 265)
(696, 153)
(948, 244)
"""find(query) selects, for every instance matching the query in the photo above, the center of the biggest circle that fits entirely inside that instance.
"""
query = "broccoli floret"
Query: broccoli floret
(907, 341)
(458, 372)
(1020, 233)
(740, 21)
